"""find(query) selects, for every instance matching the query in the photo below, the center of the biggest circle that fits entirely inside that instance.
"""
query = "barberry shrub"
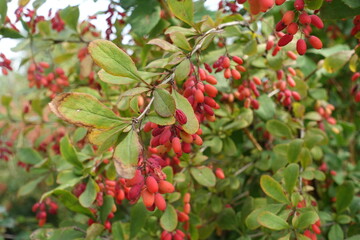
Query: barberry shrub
(227, 124)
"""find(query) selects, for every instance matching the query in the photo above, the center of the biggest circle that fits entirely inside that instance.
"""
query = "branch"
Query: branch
(243, 168)
(253, 139)
(213, 30)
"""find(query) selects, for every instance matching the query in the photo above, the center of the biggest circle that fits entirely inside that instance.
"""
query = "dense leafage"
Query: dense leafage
(228, 124)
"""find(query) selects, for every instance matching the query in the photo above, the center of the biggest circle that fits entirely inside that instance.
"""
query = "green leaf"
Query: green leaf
(305, 157)
(352, 3)
(305, 219)
(291, 173)
(336, 233)
(314, 4)
(204, 176)
(94, 231)
(112, 59)
(106, 208)
(10, 33)
(266, 110)
(160, 120)
(144, 17)
(227, 219)
(71, 202)
(70, 15)
(107, 136)
(169, 219)
(164, 103)
(28, 155)
(117, 231)
(278, 128)
(336, 61)
(184, 10)
(135, 91)
(3, 11)
(294, 150)
(182, 70)
(337, 10)
(69, 154)
(138, 216)
(344, 195)
(83, 110)
(180, 40)
(126, 155)
(29, 187)
(108, 78)
(250, 47)
(163, 45)
(273, 189)
(251, 219)
(192, 125)
(87, 198)
(271, 221)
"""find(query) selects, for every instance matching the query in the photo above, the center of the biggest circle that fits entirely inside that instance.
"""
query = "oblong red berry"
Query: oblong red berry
(151, 184)
(316, 21)
(284, 40)
(148, 198)
(237, 59)
(166, 187)
(176, 145)
(304, 18)
(299, 5)
(226, 62)
(235, 74)
(279, 2)
(227, 73)
(199, 96)
(288, 17)
(301, 46)
(211, 79)
(292, 28)
(160, 202)
(315, 42)
(210, 90)
(219, 173)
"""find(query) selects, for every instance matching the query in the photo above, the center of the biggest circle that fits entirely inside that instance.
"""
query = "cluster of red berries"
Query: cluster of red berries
(315, 230)
(5, 64)
(5, 150)
(42, 208)
(87, 27)
(57, 23)
(285, 95)
(248, 93)
(224, 63)
(54, 81)
(293, 21)
(325, 111)
(165, 138)
(195, 90)
(176, 235)
(112, 12)
(355, 90)
(356, 27)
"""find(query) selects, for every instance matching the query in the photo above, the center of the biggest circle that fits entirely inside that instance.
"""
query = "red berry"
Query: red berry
(332, 172)
(180, 117)
(148, 198)
(238, 60)
(219, 173)
(269, 45)
(160, 202)
(279, 2)
(288, 17)
(315, 42)
(316, 21)
(357, 96)
(292, 28)
(291, 55)
(296, 95)
(211, 90)
(235, 74)
(304, 18)
(355, 76)
(265, 5)
(280, 26)
(176, 145)
(316, 229)
(152, 184)
(199, 96)
(166, 187)
(226, 62)
(187, 197)
(301, 47)
(284, 40)
(257, 80)
(227, 73)
(299, 5)
(211, 79)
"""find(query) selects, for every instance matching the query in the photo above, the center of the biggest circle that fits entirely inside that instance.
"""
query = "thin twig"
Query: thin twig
(244, 168)
(253, 139)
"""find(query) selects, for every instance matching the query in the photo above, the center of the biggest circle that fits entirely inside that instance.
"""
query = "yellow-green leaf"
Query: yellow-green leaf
(273, 189)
